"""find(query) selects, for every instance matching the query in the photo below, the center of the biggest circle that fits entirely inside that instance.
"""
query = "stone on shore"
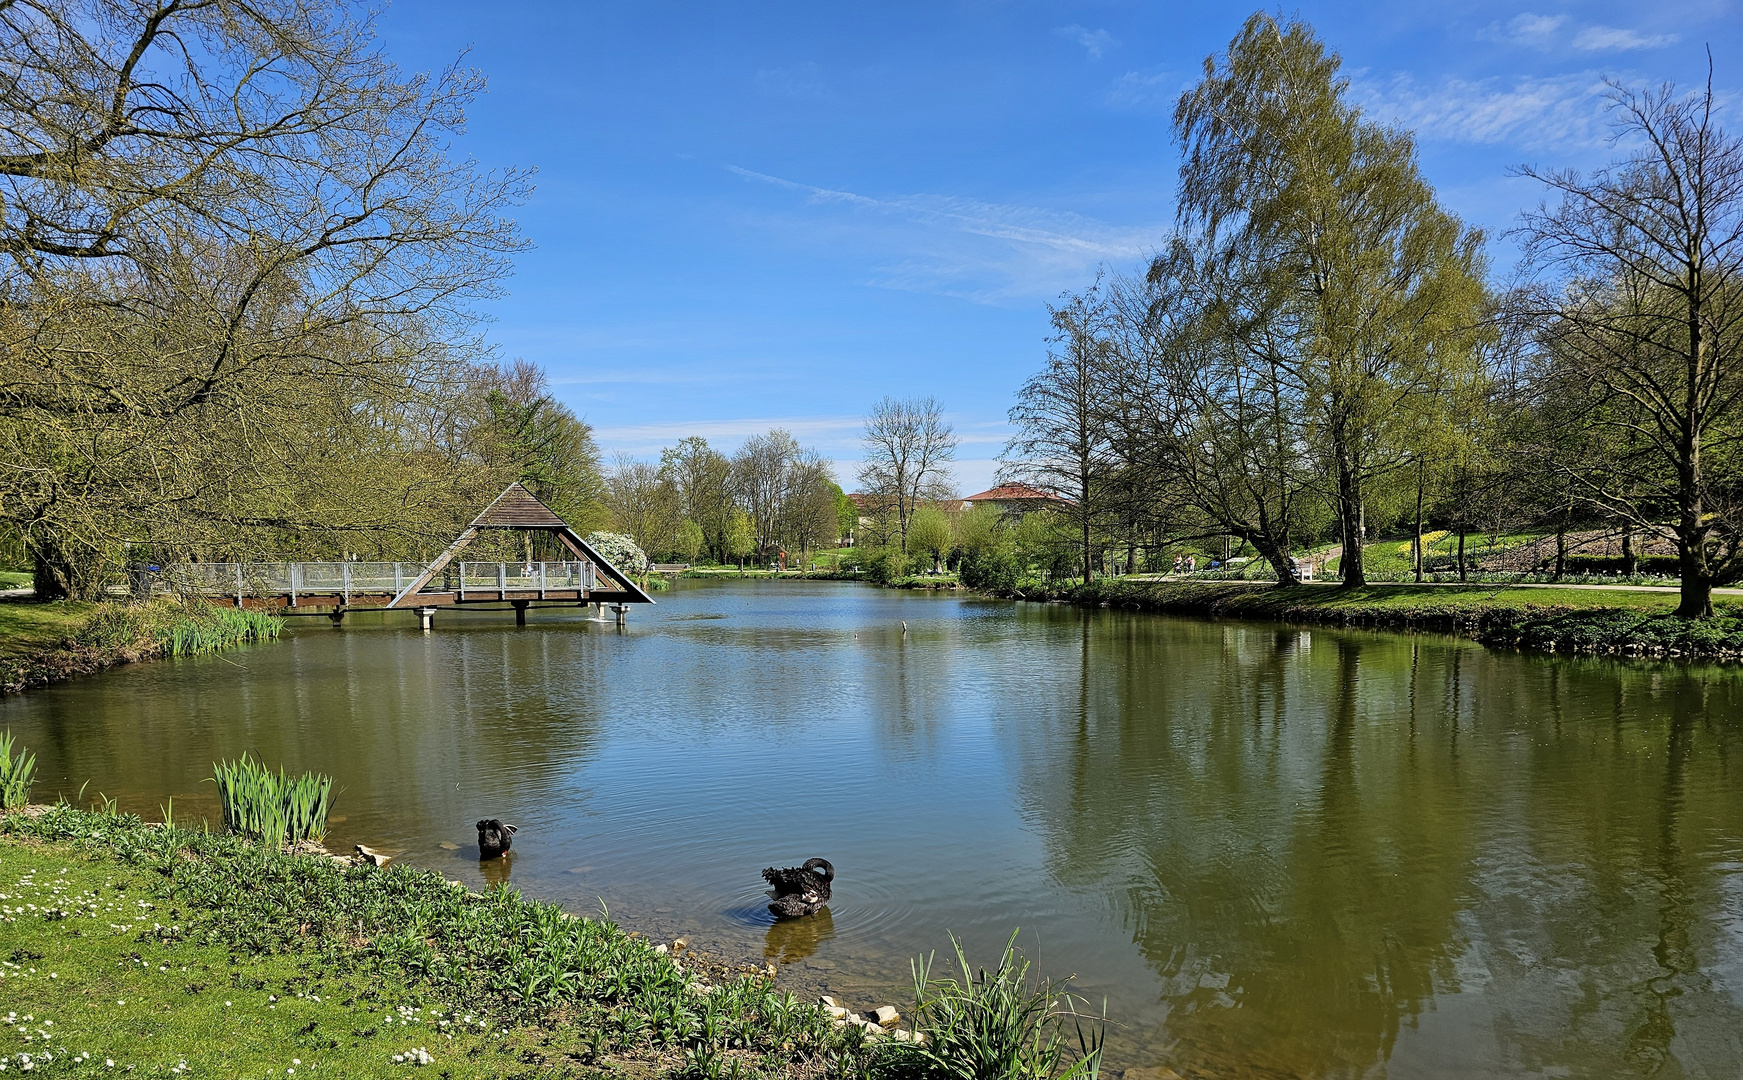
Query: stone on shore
(885, 1015)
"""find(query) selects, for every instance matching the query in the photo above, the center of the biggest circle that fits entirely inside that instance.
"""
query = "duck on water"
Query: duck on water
(799, 891)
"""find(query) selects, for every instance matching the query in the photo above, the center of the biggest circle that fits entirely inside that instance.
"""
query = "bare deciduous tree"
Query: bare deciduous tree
(1063, 446)
(644, 504)
(1645, 328)
(908, 448)
(763, 474)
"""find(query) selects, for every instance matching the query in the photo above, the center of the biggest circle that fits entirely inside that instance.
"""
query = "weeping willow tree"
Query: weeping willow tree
(1363, 296)
(240, 265)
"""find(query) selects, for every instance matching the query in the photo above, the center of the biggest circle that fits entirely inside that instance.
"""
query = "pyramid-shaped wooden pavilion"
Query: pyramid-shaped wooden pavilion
(518, 508)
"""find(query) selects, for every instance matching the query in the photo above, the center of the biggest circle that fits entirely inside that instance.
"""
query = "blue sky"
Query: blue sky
(772, 214)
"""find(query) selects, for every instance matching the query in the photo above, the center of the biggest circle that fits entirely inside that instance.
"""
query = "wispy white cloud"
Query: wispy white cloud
(1531, 113)
(1094, 42)
(1611, 39)
(1551, 31)
(981, 251)
(1528, 29)
(1142, 90)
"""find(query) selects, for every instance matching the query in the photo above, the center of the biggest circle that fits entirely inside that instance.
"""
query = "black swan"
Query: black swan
(494, 839)
(801, 891)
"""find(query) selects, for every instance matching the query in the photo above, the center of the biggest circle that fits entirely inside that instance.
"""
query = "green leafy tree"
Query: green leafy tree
(741, 537)
(929, 534)
(689, 541)
(704, 481)
(239, 253)
(1368, 286)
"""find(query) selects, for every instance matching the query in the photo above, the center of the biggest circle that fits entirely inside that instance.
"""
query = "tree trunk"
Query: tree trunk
(1419, 552)
(1351, 511)
(1697, 583)
(1630, 564)
(1462, 552)
(1087, 565)
(1277, 555)
(1560, 548)
(58, 572)
(1691, 536)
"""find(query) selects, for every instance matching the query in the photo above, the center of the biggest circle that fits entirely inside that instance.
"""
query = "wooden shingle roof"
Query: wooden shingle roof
(516, 508)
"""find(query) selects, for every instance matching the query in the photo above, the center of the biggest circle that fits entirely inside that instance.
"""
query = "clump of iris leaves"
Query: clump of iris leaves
(530, 962)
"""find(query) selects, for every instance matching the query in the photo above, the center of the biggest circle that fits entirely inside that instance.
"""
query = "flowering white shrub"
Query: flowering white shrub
(620, 551)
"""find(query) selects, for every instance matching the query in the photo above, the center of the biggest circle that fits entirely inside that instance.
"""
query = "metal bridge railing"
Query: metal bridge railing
(345, 579)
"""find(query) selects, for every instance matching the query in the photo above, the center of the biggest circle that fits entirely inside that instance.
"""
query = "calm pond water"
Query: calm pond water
(1276, 852)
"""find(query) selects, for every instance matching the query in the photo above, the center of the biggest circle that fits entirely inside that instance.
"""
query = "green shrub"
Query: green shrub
(271, 807)
(992, 1025)
(993, 571)
(885, 565)
(215, 628)
(16, 772)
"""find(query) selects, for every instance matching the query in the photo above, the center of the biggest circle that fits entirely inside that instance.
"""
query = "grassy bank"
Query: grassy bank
(170, 951)
(40, 643)
(1548, 619)
(157, 946)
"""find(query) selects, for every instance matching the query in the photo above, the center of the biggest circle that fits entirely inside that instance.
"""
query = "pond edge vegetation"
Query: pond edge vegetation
(614, 999)
(1610, 622)
(117, 633)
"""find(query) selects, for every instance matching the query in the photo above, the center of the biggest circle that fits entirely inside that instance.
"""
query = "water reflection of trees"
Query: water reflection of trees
(415, 728)
(1313, 836)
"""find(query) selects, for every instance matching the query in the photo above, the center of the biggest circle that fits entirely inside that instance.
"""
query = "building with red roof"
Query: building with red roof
(1015, 500)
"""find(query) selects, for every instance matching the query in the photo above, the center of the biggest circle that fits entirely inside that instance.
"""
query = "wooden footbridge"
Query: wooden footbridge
(333, 588)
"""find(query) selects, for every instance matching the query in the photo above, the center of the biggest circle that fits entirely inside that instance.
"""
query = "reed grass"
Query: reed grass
(16, 771)
(270, 807)
(1004, 1024)
(213, 628)
(102, 635)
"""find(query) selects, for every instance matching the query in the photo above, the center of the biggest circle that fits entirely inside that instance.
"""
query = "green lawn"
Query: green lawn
(98, 968)
(1412, 597)
(27, 627)
(14, 579)
(153, 947)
